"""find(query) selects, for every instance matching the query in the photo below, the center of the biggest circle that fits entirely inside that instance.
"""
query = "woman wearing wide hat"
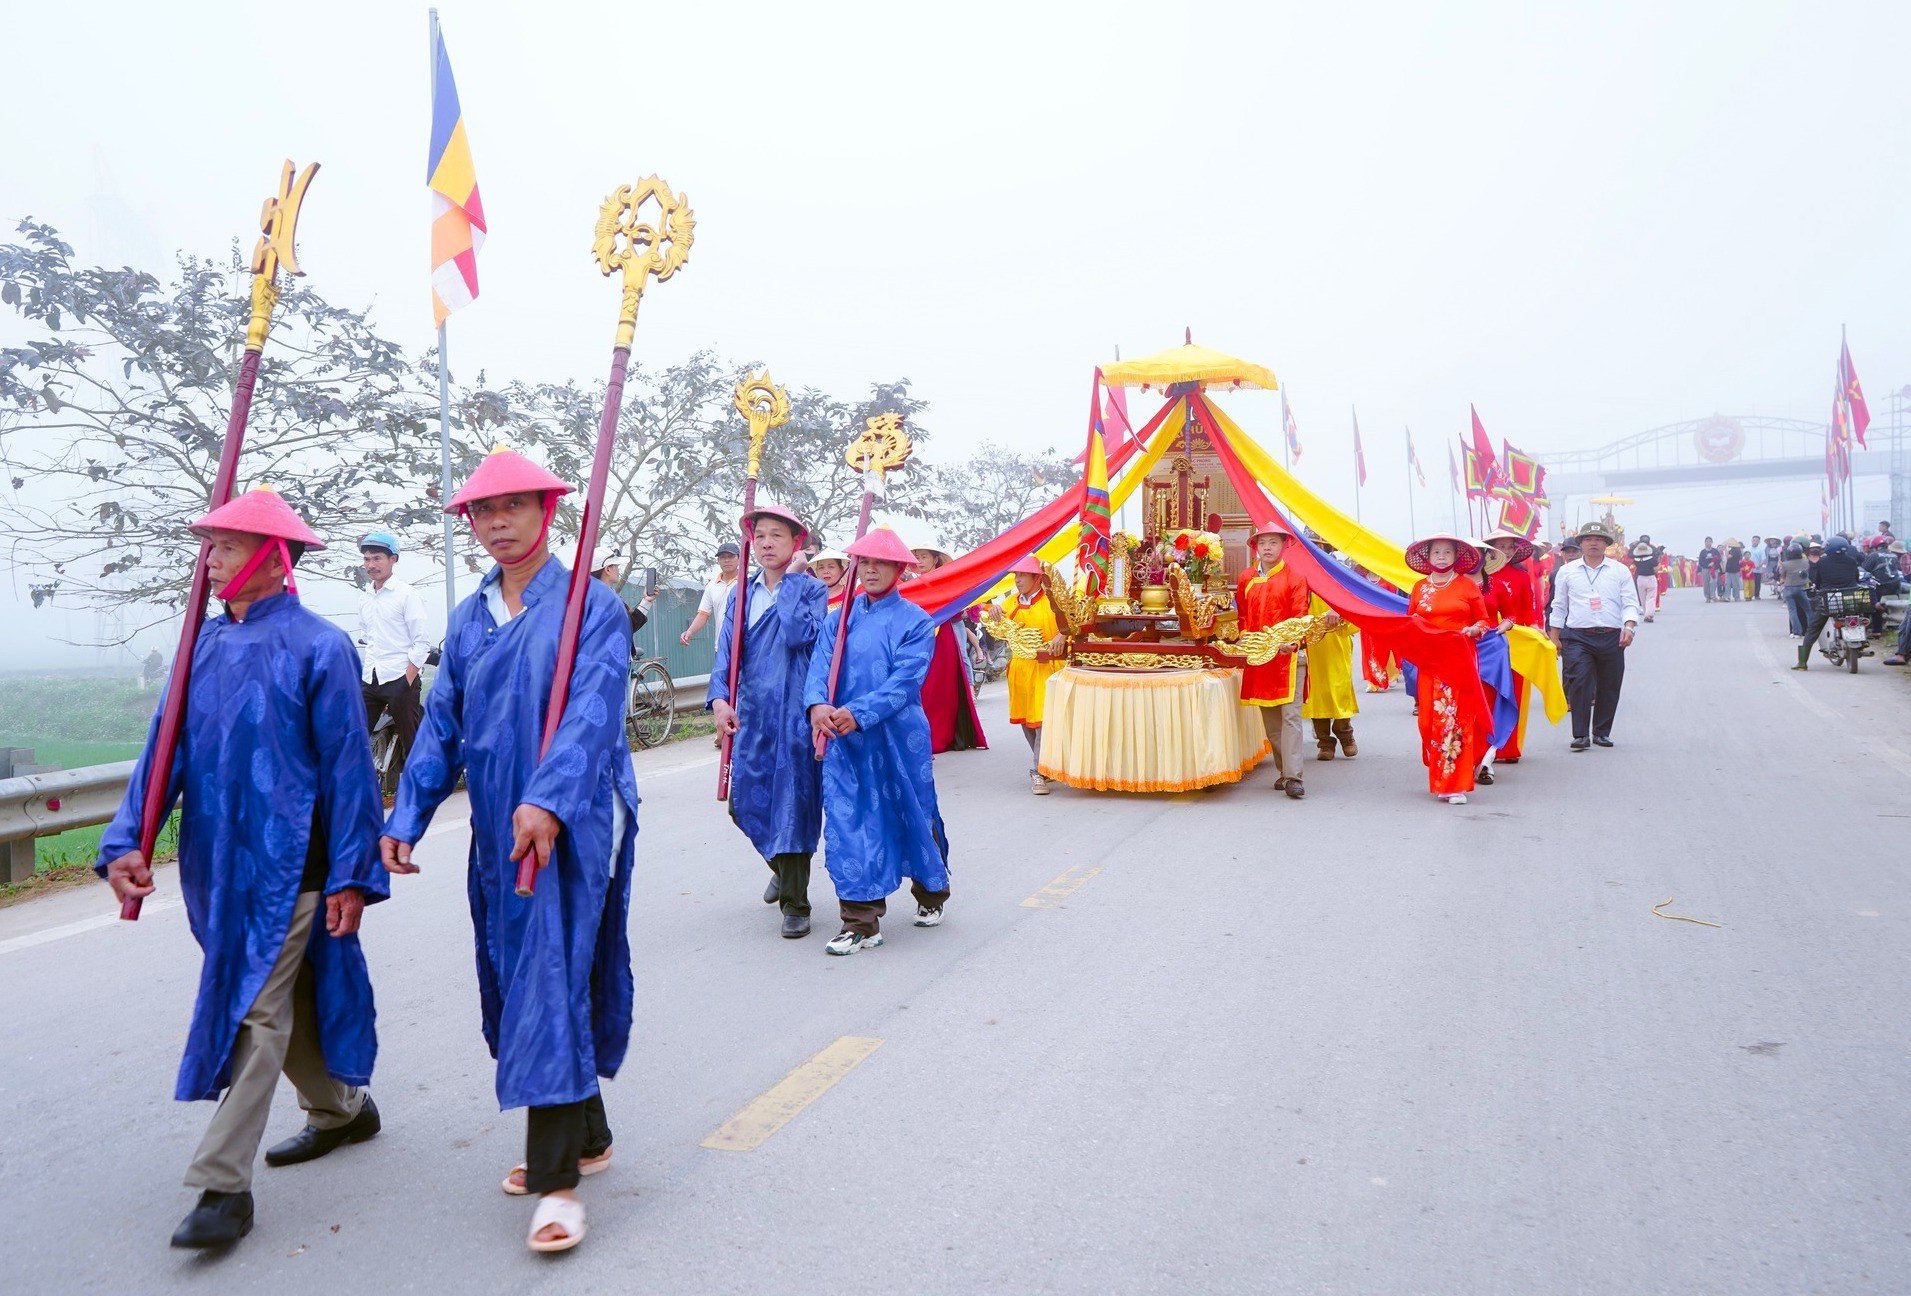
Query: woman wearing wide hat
(1445, 599)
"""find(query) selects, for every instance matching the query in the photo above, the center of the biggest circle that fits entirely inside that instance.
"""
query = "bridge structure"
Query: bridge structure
(1729, 449)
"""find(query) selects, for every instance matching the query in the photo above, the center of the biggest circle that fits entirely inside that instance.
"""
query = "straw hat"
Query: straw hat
(505, 472)
(1466, 555)
(1491, 559)
(1522, 545)
(883, 545)
(261, 512)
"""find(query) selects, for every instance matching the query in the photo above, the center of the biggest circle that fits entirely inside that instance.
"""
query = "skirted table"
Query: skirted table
(1148, 730)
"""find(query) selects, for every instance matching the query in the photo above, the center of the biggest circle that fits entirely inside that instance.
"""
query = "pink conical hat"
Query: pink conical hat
(781, 514)
(259, 511)
(506, 472)
(883, 545)
(1029, 566)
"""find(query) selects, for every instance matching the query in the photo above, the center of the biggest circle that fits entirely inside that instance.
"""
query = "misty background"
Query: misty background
(1588, 224)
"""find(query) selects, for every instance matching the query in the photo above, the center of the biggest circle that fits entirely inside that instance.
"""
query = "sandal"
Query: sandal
(586, 1166)
(565, 1212)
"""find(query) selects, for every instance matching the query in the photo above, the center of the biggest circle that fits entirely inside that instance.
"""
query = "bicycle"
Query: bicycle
(650, 703)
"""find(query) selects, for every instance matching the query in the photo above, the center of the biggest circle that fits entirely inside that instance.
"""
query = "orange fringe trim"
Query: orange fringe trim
(1123, 785)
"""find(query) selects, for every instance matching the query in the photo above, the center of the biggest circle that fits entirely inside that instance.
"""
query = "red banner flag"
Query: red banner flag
(1523, 473)
(1854, 394)
(1483, 476)
(1518, 514)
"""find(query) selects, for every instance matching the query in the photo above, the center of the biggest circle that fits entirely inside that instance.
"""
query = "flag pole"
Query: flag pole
(1356, 417)
(444, 402)
(1413, 527)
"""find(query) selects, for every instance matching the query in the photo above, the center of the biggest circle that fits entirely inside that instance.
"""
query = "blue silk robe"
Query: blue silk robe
(554, 978)
(775, 786)
(879, 788)
(274, 739)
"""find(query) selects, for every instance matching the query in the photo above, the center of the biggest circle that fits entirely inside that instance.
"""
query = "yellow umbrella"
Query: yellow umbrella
(1188, 364)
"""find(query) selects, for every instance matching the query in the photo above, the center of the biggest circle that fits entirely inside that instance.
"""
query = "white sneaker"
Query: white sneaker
(1038, 785)
(928, 917)
(1458, 798)
(849, 942)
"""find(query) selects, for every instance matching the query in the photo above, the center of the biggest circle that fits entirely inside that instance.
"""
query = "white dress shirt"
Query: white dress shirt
(391, 632)
(1590, 598)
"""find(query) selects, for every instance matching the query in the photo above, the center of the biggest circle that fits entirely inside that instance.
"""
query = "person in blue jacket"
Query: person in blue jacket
(881, 823)
(554, 977)
(278, 857)
(775, 787)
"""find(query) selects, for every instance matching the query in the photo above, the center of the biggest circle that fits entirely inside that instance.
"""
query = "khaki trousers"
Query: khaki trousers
(1283, 726)
(279, 1033)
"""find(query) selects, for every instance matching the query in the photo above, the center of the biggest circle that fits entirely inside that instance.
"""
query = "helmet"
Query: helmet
(379, 540)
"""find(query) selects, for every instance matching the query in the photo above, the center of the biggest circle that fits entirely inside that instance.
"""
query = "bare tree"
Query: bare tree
(112, 419)
(978, 498)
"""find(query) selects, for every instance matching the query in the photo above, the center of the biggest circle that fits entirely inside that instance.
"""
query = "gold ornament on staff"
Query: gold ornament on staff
(277, 247)
(1024, 641)
(1259, 647)
(623, 241)
(627, 242)
(765, 405)
(883, 447)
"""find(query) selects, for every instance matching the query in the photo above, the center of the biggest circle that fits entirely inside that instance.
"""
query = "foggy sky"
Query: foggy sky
(1587, 223)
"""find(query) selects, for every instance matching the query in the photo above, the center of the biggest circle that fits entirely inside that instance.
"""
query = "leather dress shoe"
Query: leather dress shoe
(220, 1219)
(1582, 744)
(774, 891)
(309, 1144)
(795, 926)
(1601, 742)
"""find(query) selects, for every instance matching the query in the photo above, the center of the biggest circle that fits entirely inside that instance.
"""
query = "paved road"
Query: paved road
(1362, 1044)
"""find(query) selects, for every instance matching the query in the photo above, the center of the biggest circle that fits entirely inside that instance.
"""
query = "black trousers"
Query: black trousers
(556, 1138)
(793, 882)
(407, 708)
(1594, 666)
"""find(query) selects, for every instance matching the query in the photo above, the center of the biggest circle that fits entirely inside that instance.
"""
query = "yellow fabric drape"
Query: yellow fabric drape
(1149, 731)
(1532, 653)
(1330, 671)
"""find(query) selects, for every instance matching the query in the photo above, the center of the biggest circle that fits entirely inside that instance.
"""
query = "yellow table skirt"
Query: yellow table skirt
(1149, 731)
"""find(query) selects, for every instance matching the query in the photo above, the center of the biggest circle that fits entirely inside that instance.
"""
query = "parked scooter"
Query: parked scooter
(1847, 633)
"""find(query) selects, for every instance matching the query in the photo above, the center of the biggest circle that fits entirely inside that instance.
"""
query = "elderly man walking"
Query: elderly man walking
(1594, 615)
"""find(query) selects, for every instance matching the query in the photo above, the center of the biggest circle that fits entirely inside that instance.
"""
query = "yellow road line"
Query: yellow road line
(1062, 887)
(777, 1106)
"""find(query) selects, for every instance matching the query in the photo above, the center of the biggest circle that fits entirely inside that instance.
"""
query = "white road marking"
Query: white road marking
(152, 906)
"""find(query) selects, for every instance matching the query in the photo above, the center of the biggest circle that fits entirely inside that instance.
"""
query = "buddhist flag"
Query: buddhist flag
(1854, 394)
(1091, 557)
(457, 217)
(1292, 429)
(1413, 461)
(1360, 459)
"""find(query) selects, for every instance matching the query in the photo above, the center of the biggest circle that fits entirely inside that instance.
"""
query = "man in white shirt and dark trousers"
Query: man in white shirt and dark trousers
(1594, 615)
(392, 647)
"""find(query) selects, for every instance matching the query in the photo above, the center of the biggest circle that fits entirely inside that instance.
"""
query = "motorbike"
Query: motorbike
(988, 656)
(1847, 633)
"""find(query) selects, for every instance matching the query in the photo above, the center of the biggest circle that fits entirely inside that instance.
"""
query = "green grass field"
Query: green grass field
(70, 722)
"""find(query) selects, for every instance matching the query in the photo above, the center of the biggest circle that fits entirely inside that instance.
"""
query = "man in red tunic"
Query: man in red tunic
(1266, 594)
(1515, 592)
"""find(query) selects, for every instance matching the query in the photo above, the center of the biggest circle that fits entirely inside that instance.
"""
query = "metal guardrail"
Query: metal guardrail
(43, 803)
(40, 805)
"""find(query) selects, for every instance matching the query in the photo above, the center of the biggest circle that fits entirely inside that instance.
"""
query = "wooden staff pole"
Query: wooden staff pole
(881, 448)
(624, 242)
(278, 230)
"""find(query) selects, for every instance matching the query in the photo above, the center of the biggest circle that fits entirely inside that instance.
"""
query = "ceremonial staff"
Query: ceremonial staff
(277, 246)
(881, 449)
(624, 241)
(766, 406)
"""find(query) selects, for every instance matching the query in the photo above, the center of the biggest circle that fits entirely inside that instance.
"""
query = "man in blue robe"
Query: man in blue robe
(554, 978)
(278, 857)
(881, 822)
(775, 786)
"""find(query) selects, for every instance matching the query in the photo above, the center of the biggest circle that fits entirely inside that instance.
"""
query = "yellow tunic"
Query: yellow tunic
(1330, 671)
(1028, 679)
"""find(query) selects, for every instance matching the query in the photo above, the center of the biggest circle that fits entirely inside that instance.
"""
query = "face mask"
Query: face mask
(1439, 565)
